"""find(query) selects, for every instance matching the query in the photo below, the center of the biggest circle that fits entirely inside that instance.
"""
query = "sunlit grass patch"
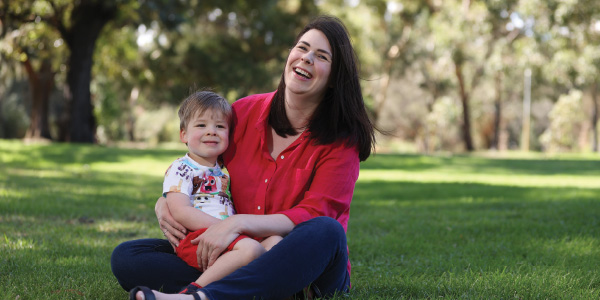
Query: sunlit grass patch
(17, 243)
(522, 180)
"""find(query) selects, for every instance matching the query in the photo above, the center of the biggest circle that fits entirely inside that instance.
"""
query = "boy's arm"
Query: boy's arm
(184, 213)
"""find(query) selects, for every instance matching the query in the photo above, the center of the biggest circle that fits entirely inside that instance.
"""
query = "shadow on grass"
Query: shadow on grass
(96, 195)
(414, 162)
(58, 154)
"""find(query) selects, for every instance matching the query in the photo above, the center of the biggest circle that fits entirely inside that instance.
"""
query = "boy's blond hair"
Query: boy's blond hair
(198, 103)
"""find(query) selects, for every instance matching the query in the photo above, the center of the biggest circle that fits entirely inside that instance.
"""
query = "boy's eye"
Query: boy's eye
(200, 125)
(220, 126)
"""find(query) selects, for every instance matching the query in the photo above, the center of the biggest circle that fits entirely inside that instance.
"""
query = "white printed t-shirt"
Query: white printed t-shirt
(209, 194)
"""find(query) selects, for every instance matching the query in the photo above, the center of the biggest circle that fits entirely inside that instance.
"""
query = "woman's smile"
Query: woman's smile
(302, 73)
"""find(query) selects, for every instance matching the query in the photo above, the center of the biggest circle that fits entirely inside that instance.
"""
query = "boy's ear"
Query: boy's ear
(182, 136)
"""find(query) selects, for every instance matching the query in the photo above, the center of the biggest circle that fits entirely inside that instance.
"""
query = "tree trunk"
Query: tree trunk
(87, 21)
(595, 116)
(41, 84)
(130, 125)
(434, 88)
(497, 111)
(464, 97)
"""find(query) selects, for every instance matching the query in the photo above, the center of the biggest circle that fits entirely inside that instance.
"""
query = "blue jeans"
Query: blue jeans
(315, 253)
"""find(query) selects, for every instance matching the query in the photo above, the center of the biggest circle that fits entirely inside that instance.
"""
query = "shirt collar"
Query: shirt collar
(262, 123)
(263, 118)
(215, 171)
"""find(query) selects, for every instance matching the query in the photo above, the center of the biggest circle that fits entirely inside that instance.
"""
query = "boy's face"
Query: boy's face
(207, 136)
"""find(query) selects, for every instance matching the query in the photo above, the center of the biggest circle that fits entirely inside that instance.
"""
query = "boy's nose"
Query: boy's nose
(211, 131)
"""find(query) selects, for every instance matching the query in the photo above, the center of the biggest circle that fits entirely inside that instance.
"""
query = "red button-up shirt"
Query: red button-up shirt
(305, 181)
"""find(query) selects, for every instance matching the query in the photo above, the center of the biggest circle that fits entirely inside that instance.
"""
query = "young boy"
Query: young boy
(197, 190)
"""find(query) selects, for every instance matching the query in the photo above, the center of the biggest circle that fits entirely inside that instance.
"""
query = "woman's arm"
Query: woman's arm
(218, 236)
(185, 214)
(171, 229)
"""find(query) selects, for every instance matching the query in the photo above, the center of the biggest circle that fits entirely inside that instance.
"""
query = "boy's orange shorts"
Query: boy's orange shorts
(187, 251)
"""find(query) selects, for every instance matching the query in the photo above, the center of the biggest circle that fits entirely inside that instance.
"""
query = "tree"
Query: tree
(79, 24)
(502, 55)
(569, 32)
(30, 42)
(462, 34)
(80, 32)
(469, 33)
(233, 47)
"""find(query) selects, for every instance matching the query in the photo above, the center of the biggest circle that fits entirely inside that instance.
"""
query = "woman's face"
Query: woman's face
(309, 65)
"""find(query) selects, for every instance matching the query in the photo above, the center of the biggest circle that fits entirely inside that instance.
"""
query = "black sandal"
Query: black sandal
(148, 294)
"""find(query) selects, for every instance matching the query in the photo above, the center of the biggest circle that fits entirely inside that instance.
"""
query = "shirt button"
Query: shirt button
(259, 207)
(266, 180)
(282, 157)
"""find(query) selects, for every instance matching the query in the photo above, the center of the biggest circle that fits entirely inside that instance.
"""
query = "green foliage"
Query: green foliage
(13, 118)
(441, 124)
(565, 123)
(421, 227)
(108, 113)
(160, 125)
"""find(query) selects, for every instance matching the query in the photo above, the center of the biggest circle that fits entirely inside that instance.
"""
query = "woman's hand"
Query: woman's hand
(171, 229)
(214, 241)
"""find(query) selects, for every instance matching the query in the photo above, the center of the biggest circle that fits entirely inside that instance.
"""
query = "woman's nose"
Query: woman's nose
(308, 57)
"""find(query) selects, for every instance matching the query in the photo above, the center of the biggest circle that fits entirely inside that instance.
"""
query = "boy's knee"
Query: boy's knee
(251, 249)
(271, 241)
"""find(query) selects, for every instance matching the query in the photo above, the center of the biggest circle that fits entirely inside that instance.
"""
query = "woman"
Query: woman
(293, 159)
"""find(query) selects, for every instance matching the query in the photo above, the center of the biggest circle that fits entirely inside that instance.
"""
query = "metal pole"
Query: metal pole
(526, 129)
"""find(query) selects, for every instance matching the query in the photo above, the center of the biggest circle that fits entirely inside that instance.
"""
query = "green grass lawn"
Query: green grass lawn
(474, 227)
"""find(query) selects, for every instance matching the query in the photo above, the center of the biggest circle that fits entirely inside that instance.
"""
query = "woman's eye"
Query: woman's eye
(302, 47)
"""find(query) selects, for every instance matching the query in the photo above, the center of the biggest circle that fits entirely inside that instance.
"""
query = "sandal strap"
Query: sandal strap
(190, 289)
(148, 294)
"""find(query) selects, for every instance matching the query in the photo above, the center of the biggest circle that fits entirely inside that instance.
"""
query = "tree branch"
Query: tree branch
(56, 20)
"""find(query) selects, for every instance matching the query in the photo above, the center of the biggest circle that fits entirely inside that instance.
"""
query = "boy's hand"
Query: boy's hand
(171, 229)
